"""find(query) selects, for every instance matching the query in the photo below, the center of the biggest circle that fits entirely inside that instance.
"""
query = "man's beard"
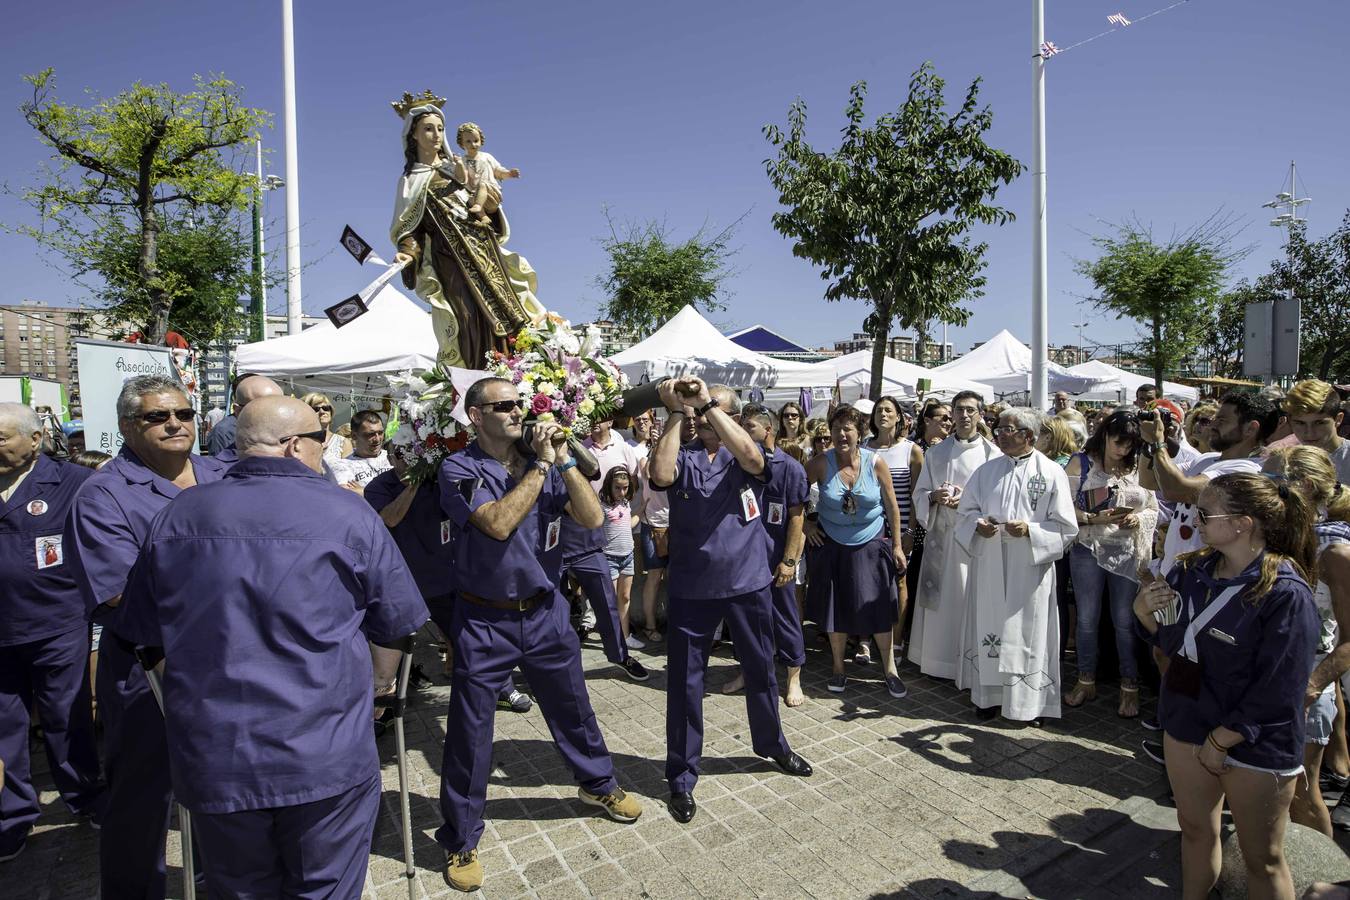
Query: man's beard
(1221, 442)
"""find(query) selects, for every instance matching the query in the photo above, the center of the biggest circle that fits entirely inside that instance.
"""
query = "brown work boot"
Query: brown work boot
(617, 805)
(463, 871)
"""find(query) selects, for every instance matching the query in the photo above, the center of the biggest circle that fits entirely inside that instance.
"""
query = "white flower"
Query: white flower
(591, 342)
(546, 387)
(404, 436)
(425, 430)
(586, 407)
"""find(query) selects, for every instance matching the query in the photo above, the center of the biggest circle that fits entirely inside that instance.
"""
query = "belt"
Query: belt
(524, 604)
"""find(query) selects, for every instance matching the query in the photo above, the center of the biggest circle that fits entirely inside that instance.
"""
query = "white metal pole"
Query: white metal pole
(262, 252)
(292, 172)
(1039, 310)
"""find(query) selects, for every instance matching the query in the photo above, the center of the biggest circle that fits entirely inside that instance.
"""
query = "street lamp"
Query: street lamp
(258, 310)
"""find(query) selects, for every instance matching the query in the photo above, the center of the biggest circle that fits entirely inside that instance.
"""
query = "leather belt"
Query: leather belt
(524, 604)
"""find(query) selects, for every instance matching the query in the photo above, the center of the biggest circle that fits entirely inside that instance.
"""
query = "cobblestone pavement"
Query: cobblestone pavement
(910, 798)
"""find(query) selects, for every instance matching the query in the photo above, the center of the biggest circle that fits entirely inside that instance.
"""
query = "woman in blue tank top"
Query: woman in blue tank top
(854, 565)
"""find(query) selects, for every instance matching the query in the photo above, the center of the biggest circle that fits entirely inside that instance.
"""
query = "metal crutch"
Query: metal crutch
(398, 703)
(151, 657)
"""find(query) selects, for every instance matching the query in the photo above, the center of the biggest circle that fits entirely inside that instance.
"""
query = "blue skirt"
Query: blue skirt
(852, 590)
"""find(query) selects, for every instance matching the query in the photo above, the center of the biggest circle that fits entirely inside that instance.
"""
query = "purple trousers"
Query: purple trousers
(591, 570)
(689, 640)
(489, 643)
(787, 626)
(53, 675)
(311, 850)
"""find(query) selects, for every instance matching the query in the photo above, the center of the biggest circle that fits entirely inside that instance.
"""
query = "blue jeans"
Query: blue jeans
(1090, 581)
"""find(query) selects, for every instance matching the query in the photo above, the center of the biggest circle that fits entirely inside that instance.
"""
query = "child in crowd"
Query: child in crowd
(616, 494)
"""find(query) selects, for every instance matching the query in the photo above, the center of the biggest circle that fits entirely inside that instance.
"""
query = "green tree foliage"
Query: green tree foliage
(1227, 333)
(886, 215)
(1172, 289)
(128, 178)
(1319, 273)
(651, 278)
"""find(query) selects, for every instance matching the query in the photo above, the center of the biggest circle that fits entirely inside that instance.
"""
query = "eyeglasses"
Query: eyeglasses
(160, 416)
(316, 436)
(322, 407)
(1007, 429)
(503, 406)
(1202, 517)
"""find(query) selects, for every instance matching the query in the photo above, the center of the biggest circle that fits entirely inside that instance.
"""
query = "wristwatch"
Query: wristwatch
(703, 410)
(542, 466)
(788, 561)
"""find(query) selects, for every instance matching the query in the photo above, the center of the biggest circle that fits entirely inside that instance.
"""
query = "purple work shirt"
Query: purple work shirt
(264, 589)
(426, 545)
(1254, 685)
(786, 488)
(519, 566)
(714, 551)
(110, 518)
(38, 594)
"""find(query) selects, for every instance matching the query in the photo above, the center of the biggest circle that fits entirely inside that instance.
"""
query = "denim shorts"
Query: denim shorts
(1320, 716)
(620, 565)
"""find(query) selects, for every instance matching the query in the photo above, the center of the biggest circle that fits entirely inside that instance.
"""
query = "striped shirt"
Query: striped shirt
(896, 457)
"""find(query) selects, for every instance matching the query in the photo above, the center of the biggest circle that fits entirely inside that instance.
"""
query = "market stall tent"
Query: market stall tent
(853, 373)
(1004, 363)
(1127, 383)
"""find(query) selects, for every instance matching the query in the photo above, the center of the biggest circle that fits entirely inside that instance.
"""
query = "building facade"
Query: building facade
(901, 347)
(38, 339)
(613, 339)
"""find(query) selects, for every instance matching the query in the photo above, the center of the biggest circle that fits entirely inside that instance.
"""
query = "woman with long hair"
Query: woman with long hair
(851, 586)
(1116, 518)
(1057, 440)
(791, 426)
(1238, 622)
(1196, 425)
(904, 459)
(1309, 470)
(335, 446)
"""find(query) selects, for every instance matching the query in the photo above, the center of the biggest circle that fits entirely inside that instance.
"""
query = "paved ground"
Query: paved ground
(910, 798)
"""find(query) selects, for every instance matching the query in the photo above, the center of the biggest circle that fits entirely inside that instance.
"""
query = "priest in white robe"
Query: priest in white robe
(1016, 517)
(941, 594)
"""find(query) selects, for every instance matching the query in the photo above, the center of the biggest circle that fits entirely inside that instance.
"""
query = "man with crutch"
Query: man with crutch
(268, 674)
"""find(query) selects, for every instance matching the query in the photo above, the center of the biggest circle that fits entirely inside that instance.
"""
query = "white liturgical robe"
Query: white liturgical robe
(940, 600)
(1009, 646)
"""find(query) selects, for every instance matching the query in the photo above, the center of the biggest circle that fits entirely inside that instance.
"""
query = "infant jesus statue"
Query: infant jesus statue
(482, 171)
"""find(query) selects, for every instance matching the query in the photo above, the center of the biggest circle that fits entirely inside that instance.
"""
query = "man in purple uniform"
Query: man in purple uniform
(44, 636)
(268, 675)
(509, 508)
(784, 515)
(583, 552)
(719, 569)
(108, 522)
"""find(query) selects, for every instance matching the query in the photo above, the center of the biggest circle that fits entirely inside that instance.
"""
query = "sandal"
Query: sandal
(1085, 690)
(652, 635)
(1129, 700)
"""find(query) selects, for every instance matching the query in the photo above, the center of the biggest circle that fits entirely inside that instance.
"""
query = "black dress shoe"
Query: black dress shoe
(792, 764)
(682, 806)
(985, 713)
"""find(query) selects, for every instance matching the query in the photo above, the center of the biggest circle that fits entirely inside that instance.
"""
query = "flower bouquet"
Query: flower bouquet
(427, 431)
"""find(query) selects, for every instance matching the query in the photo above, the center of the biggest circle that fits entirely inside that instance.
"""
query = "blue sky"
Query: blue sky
(655, 111)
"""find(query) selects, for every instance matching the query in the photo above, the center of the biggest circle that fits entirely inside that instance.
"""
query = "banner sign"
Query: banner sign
(104, 367)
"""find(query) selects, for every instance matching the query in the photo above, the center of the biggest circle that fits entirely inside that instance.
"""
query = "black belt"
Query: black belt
(524, 604)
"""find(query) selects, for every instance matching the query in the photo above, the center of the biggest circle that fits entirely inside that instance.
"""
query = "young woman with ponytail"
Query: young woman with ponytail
(1310, 471)
(1237, 620)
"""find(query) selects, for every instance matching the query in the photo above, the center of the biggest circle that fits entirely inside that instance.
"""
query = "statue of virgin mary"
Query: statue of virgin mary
(480, 293)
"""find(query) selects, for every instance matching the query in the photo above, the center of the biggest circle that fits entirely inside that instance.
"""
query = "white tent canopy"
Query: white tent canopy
(1126, 383)
(854, 375)
(689, 345)
(348, 363)
(1004, 363)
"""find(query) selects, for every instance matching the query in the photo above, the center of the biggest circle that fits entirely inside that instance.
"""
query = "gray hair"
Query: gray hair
(129, 400)
(1079, 430)
(24, 417)
(1024, 417)
(726, 398)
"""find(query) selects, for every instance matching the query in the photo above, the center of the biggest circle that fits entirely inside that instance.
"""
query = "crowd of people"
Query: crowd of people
(981, 543)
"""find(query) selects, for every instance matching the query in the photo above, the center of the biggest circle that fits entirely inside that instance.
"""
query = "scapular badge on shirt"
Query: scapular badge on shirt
(1036, 487)
(775, 514)
(445, 531)
(48, 551)
(554, 531)
(37, 507)
(749, 505)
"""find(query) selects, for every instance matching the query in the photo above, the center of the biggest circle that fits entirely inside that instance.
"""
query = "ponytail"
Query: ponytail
(1286, 518)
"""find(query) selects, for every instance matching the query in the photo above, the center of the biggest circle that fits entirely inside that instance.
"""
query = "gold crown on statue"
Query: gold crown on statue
(426, 98)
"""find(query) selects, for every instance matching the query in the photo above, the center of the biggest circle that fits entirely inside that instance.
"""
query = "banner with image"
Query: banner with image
(104, 367)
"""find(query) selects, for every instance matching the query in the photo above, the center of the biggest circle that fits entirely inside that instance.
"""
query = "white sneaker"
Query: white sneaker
(633, 642)
(588, 619)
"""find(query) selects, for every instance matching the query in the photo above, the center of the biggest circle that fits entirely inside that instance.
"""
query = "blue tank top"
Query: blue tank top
(866, 520)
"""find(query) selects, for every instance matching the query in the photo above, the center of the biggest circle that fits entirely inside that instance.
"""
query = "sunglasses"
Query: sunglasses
(323, 407)
(1203, 421)
(503, 406)
(316, 436)
(941, 418)
(1203, 518)
(160, 416)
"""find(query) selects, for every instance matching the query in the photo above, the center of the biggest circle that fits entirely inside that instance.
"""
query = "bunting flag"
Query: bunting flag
(353, 244)
(1118, 19)
(344, 312)
(1048, 49)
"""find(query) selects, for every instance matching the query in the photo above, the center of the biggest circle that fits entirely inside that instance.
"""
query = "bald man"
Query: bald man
(247, 388)
(270, 676)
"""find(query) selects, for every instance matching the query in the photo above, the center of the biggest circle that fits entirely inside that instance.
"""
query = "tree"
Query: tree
(886, 215)
(1228, 330)
(651, 278)
(126, 170)
(1319, 274)
(1172, 289)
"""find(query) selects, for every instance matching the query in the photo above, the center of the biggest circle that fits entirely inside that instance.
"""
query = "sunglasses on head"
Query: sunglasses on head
(160, 416)
(503, 406)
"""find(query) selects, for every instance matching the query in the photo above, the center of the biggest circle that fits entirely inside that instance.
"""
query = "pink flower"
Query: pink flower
(541, 403)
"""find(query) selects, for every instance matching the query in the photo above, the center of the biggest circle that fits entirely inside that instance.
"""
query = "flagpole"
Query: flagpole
(1039, 305)
(293, 294)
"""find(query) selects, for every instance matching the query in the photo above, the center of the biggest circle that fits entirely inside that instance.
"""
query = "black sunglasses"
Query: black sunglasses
(503, 406)
(323, 407)
(316, 436)
(160, 416)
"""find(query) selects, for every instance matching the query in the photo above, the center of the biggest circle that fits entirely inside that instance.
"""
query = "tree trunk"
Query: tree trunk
(1157, 355)
(148, 262)
(881, 332)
